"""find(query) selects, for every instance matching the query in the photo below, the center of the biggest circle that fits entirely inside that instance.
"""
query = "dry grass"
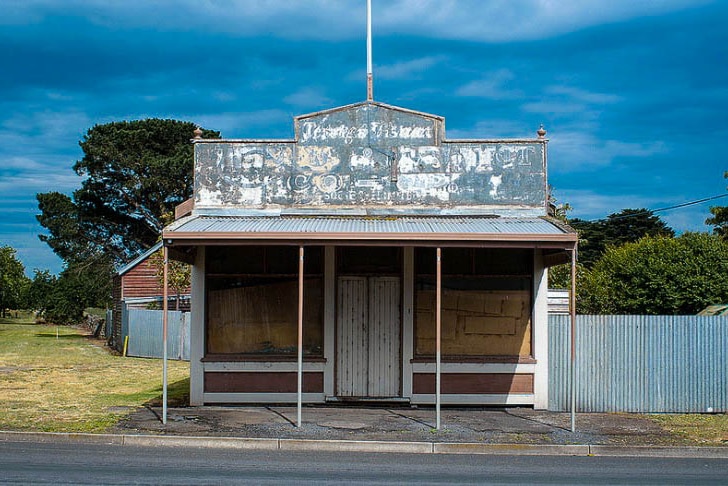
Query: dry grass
(703, 429)
(59, 379)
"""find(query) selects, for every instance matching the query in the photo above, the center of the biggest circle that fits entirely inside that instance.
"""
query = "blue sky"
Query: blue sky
(634, 94)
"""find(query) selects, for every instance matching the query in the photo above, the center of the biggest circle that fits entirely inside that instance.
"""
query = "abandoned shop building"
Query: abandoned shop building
(403, 244)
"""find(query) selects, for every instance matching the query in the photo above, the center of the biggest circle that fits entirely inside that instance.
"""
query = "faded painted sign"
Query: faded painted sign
(367, 157)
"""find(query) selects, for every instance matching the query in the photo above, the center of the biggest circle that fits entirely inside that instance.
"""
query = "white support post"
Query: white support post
(300, 337)
(572, 312)
(165, 320)
(438, 332)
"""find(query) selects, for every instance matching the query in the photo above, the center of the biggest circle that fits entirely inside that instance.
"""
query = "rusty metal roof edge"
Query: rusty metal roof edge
(565, 227)
(375, 103)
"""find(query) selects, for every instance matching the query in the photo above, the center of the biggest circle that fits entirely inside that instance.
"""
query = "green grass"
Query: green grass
(57, 378)
(703, 429)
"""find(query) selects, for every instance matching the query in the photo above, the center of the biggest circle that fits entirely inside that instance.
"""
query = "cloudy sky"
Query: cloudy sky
(634, 94)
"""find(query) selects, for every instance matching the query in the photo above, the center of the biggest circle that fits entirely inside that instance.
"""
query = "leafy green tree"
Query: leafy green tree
(67, 238)
(626, 226)
(657, 275)
(719, 218)
(13, 282)
(134, 172)
(62, 299)
(40, 290)
(560, 275)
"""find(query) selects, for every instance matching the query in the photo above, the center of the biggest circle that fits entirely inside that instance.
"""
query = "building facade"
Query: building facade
(397, 264)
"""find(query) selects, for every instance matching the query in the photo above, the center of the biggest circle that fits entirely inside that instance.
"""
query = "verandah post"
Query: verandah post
(438, 327)
(165, 319)
(300, 336)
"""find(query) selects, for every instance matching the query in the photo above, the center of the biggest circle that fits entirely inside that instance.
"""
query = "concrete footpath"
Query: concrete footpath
(390, 429)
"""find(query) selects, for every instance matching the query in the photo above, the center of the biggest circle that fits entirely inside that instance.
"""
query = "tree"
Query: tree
(134, 172)
(63, 299)
(13, 282)
(40, 290)
(657, 275)
(626, 226)
(719, 218)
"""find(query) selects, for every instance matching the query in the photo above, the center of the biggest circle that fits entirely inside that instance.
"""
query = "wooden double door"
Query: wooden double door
(368, 337)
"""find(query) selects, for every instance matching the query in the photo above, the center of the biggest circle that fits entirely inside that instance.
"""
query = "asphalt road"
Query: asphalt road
(56, 463)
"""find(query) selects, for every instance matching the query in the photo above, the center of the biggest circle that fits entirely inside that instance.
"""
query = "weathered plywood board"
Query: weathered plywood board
(261, 320)
(475, 323)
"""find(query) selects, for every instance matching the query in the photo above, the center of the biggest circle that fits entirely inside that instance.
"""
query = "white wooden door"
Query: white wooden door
(368, 337)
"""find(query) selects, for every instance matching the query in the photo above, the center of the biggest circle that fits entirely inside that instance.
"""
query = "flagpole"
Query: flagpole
(370, 74)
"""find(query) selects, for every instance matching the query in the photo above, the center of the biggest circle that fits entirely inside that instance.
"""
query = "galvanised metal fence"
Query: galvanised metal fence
(144, 329)
(640, 363)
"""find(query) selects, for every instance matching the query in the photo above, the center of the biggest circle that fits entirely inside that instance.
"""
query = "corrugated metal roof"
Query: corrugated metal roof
(221, 226)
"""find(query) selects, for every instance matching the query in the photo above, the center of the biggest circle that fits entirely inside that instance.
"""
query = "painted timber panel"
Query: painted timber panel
(371, 156)
(352, 343)
(384, 337)
(368, 337)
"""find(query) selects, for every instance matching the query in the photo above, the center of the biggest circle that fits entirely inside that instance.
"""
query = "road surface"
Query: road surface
(64, 463)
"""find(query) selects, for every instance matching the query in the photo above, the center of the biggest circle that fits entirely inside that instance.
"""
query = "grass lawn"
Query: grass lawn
(59, 379)
(704, 429)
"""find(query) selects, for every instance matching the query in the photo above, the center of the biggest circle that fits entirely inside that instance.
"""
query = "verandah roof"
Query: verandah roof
(414, 230)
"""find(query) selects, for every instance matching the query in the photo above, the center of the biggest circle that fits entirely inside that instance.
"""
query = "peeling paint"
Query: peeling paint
(370, 156)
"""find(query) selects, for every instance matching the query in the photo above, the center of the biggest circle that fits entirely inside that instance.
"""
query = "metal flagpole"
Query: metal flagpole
(438, 329)
(572, 312)
(300, 336)
(165, 319)
(370, 74)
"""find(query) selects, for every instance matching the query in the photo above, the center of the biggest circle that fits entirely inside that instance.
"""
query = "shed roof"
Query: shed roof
(715, 310)
(126, 268)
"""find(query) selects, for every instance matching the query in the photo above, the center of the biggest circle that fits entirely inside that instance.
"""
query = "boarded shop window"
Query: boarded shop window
(485, 311)
(252, 305)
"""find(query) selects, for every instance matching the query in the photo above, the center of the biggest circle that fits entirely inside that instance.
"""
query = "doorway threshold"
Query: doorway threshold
(369, 400)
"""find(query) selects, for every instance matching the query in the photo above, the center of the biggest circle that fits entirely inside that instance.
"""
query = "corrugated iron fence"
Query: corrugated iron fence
(144, 328)
(640, 363)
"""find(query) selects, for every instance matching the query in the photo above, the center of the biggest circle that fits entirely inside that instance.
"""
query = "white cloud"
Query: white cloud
(406, 69)
(241, 124)
(582, 95)
(570, 100)
(44, 129)
(588, 204)
(345, 19)
(493, 129)
(33, 182)
(308, 97)
(494, 85)
(575, 150)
